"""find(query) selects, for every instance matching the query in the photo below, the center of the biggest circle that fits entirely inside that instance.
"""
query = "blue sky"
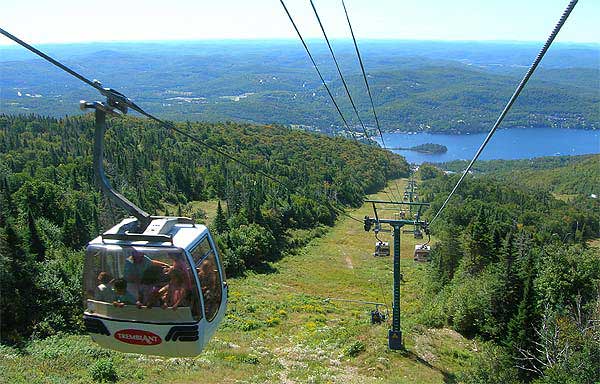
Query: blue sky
(61, 21)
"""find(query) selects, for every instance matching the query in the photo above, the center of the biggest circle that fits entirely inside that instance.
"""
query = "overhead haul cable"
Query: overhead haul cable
(124, 103)
(314, 63)
(323, 81)
(337, 66)
(520, 87)
(362, 67)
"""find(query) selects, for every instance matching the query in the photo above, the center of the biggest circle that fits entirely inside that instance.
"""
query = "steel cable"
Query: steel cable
(168, 125)
(320, 75)
(314, 63)
(337, 66)
(513, 98)
(362, 68)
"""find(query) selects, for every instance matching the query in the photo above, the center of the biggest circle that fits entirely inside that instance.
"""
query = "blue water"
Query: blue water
(517, 143)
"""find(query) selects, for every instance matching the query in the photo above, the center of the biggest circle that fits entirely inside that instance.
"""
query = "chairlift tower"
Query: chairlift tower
(395, 333)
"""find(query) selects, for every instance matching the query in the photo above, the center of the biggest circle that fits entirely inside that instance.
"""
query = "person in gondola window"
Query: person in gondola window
(149, 287)
(180, 264)
(174, 294)
(104, 291)
(122, 296)
(137, 264)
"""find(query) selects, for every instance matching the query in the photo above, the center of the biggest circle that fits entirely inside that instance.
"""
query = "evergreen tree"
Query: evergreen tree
(220, 221)
(479, 244)
(36, 245)
(6, 203)
(75, 231)
(446, 256)
(508, 297)
(17, 275)
(521, 334)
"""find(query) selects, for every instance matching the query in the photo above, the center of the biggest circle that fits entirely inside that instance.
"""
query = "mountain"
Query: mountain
(417, 86)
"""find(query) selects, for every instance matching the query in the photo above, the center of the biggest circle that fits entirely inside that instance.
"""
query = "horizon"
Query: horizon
(66, 22)
(13, 45)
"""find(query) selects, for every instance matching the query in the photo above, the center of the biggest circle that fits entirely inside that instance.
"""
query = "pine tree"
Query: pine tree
(448, 254)
(75, 231)
(220, 221)
(17, 274)
(521, 333)
(36, 245)
(7, 206)
(479, 244)
(508, 299)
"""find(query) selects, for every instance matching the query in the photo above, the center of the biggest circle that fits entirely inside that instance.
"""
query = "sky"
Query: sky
(65, 21)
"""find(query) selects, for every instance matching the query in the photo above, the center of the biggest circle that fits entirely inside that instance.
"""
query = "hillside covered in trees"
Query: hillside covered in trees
(452, 87)
(569, 175)
(515, 264)
(50, 208)
(518, 267)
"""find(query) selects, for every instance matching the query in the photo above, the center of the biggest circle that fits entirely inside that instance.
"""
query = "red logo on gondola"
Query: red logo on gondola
(137, 336)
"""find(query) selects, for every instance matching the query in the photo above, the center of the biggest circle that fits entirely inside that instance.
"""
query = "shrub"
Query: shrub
(492, 365)
(253, 244)
(355, 349)
(104, 370)
(233, 264)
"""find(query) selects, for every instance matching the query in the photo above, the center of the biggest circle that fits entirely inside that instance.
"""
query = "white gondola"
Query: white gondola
(161, 292)
(152, 284)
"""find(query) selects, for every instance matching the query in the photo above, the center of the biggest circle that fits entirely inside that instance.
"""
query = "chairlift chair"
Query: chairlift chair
(422, 253)
(417, 233)
(382, 248)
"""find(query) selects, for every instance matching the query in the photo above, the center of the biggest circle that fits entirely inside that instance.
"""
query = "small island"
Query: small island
(429, 148)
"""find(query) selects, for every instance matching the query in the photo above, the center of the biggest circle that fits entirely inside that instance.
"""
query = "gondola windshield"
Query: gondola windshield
(140, 283)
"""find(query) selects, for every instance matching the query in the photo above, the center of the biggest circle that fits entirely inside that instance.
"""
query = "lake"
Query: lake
(516, 143)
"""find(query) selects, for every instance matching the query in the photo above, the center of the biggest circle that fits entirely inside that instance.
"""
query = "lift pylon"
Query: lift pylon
(395, 333)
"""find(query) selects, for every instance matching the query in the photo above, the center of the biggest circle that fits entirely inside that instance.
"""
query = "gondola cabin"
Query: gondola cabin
(160, 292)
(422, 253)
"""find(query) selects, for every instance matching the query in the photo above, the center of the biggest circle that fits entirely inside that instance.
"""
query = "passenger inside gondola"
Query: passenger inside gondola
(104, 290)
(152, 280)
(122, 295)
(208, 274)
(135, 267)
(175, 293)
(179, 263)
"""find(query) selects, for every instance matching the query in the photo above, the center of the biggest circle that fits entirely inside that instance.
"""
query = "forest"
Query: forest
(514, 265)
(50, 207)
(567, 175)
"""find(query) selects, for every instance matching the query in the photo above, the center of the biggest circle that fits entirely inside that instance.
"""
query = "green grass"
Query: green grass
(280, 329)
